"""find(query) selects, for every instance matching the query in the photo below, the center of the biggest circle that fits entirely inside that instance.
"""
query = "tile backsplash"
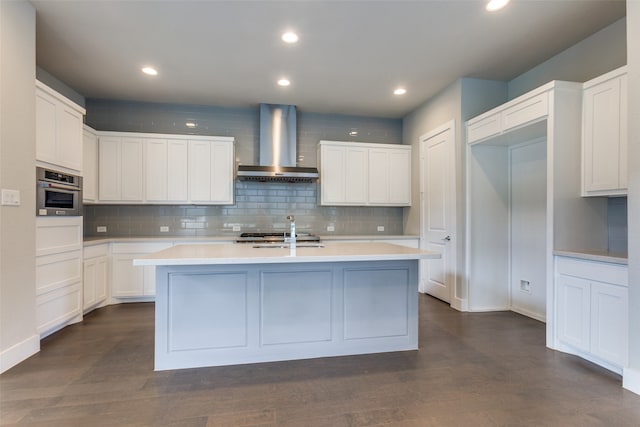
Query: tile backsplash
(259, 207)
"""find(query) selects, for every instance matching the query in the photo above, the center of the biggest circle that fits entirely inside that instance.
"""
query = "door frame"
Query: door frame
(456, 300)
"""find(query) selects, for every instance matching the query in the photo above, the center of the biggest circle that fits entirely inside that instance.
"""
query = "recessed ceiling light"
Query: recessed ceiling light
(290, 37)
(284, 82)
(150, 71)
(191, 124)
(494, 5)
(353, 133)
(400, 91)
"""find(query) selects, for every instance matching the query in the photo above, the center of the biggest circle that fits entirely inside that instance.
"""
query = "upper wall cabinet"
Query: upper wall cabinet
(502, 121)
(90, 165)
(58, 130)
(604, 135)
(166, 169)
(359, 174)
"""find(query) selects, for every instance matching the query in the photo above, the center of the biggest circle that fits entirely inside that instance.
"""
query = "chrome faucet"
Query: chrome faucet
(292, 232)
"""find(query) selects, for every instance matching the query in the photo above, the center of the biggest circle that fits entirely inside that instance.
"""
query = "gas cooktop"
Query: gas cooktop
(275, 237)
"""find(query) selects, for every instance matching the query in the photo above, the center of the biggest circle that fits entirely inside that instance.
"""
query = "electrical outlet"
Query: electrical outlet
(525, 286)
(236, 227)
(164, 229)
(102, 229)
(331, 228)
(381, 228)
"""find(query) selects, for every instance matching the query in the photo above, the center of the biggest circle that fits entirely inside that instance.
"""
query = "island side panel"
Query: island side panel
(213, 315)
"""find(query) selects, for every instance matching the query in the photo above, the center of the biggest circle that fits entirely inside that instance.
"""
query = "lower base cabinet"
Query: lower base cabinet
(129, 281)
(95, 277)
(592, 311)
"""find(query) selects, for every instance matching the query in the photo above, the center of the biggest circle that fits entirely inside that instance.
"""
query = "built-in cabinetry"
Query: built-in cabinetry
(90, 165)
(360, 174)
(524, 201)
(58, 273)
(167, 169)
(604, 135)
(58, 130)
(95, 282)
(592, 310)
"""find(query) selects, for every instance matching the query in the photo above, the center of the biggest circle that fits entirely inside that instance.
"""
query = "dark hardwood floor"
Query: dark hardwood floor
(480, 369)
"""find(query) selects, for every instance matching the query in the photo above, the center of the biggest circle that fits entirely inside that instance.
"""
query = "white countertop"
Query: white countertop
(247, 254)
(600, 256)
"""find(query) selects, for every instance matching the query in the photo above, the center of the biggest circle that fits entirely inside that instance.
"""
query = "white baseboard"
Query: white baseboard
(536, 316)
(459, 304)
(19, 352)
(631, 380)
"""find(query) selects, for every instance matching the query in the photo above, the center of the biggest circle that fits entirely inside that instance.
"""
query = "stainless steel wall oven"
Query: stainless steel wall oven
(58, 193)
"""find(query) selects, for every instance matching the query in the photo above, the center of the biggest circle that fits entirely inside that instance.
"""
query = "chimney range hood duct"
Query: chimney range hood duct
(277, 149)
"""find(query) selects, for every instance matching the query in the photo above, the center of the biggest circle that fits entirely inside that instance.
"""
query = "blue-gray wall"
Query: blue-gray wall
(259, 206)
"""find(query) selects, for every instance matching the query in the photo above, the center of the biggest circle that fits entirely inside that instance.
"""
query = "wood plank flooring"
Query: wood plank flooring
(472, 369)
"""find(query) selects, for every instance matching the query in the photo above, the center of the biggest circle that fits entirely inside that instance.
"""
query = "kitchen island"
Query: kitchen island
(236, 303)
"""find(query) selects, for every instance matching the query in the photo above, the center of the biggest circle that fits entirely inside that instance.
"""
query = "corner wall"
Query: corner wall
(18, 336)
(631, 377)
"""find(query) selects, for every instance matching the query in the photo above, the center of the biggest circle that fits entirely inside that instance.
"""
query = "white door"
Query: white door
(438, 211)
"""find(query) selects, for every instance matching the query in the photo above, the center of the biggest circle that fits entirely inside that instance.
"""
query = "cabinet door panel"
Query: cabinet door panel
(132, 165)
(609, 322)
(45, 128)
(156, 170)
(400, 177)
(88, 282)
(101, 278)
(69, 138)
(221, 173)
(199, 171)
(128, 280)
(574, 306)
(333, 177)
(89, 166)
(177, 171)
(357, 176)
(109, 169)
(378, 176)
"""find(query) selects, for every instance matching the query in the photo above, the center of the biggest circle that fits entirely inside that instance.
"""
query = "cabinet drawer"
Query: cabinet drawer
(526, 111)
(94, 251)
(484, 128)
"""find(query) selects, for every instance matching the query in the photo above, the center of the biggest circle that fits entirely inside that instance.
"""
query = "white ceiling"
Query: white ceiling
(350, 57)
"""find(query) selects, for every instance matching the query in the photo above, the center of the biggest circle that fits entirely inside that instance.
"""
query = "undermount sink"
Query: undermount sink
(286, 245)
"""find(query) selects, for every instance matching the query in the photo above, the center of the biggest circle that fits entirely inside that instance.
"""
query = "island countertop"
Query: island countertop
(248, 254)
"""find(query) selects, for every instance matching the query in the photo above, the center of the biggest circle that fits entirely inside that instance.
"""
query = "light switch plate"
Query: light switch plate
(236, 227)
(331, 228)
(10, 197)
(381, 228)
(101, 229)
(164, 229)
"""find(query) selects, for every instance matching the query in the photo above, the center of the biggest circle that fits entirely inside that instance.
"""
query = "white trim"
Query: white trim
(631, 379)
(19, 352)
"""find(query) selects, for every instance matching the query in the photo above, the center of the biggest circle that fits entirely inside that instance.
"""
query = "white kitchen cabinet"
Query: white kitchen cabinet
(58, 273)
(592, 310)
(95, 282)
(120, 169)
(211, 171)
(128, 281)
(604, 135)
(344, 174)
(501, 121)
(90, 165)
(58, 130)
(166, 170)
(361, 174)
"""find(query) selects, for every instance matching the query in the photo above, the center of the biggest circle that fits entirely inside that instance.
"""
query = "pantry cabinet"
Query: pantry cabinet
(58, 130)
(604, 135)
(361, 174)
(592, 310)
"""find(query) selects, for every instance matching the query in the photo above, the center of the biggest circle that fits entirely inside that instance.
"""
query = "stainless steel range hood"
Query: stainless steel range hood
(277, 149)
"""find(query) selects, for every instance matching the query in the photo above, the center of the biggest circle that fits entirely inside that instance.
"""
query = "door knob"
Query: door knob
(448, 238)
